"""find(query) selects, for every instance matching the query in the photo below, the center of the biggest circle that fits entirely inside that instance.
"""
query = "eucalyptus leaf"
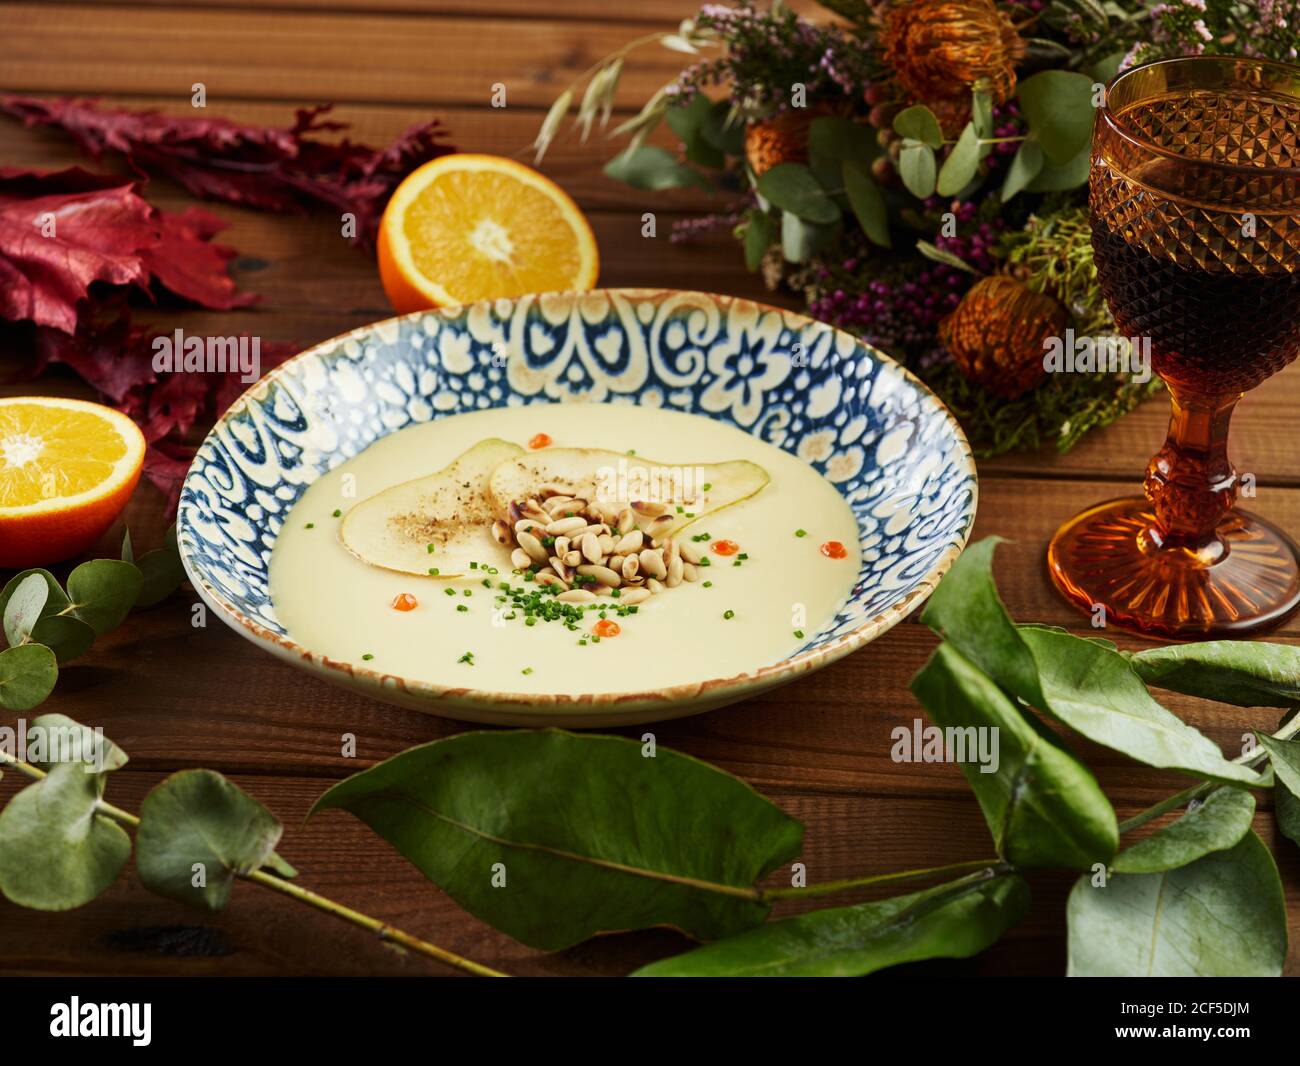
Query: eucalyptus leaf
(1062, 178)
(982, 113)
(1043, 807)
(56, 853)
(197, 833)
(552, 837)
(1083, 683)
(1286, 806)
(962, 164)
(161, 573)
(56, 738)
(918, 123)
(834, 141)
(758, 238)
(1241, 672)
(24, 607)
(793, 188)
(868, 204)
(27, 676)
(653, 168)
(1025, 166)
(722, 131)
(103, 591)
(1223, 915)
(68, 637)
(687, 121)
(1057, 105)
(950, 921)
(799, 239)
(918, 169)
(1215, 825)
(128, 552)
(56, 601)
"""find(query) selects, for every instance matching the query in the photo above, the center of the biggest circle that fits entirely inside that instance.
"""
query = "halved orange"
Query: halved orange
(469, 227)
(67, 468)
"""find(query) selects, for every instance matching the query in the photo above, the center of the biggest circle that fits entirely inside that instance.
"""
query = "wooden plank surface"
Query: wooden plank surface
(178, 696)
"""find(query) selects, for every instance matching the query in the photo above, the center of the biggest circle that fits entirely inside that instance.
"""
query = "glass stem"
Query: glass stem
(1190, 482)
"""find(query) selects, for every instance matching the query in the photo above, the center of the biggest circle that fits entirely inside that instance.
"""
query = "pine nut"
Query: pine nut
(691, 551)
(532, 546)
(501, 533)
(653, 563)
(576, 596)
(603, 574)
(591, 548)
(630, 542)
(566, 525)
(528, 525)
(690, 571)
(659, 528)
(630, 567)
(672, 550)
(572, 557)
(606, 542)
(632, 596)
(675, 570)
(560, 568)
(645, 507)
(520, 559)
(654, 586)
(626, 521)
(551, 579)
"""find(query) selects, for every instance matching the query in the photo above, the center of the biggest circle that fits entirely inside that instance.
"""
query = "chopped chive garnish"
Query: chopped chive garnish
(337, 512)
(311, 525)
(429, 548)
(801, 532)
(707, 486)
(704, 561)
(461, 607)
(468, 592)
(728, 615)
(449, 592)
(681, 509)
(582, 643)
(526, 670)
(743, 555)
(708, 584)
(468, 657)
(434, 571)
(473, 566)
(367, 657)
(486, 583)
(799, 633)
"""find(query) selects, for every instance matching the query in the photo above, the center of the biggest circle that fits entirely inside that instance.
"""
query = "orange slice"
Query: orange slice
(475, 227)
(67, 468)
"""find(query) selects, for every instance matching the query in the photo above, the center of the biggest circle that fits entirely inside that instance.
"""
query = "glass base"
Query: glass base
(1110, 556)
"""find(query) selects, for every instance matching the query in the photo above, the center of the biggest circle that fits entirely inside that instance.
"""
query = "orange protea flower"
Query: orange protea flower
(940, 48)
(996, 334)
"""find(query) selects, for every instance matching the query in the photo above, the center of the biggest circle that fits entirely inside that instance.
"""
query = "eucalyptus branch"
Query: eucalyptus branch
(1195, 792)
(303, 895)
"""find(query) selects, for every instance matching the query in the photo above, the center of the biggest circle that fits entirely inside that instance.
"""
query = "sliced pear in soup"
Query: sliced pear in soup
(618, 480)
(449, 511)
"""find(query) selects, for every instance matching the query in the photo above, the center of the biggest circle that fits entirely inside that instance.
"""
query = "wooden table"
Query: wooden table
(174, 696)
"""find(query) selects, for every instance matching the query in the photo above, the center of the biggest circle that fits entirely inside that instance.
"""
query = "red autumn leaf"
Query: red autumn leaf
(273, 169)
(59, 233)
(186, 261)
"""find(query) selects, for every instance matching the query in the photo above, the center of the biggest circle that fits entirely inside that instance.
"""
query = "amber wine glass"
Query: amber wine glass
(1194, 196)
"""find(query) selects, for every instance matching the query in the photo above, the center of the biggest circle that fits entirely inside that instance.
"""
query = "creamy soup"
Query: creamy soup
(769, 569)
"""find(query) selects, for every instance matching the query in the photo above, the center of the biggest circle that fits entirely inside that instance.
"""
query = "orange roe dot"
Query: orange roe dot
(542, 440)
(405, 602)
(833, 549)
(606, 628)
(724, 547)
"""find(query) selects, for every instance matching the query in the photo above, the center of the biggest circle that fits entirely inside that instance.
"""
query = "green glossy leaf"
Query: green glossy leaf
(982, 113)
(653, 168)
(1286, 807)
(1096, 692)
(1285, 757)
(1057, 104)
(1043, 807)
(68, 637)
(917, 123)
(1062, 178)
(721, 131)
(27, 676)
(197, 833)
(1081, 682)
(952, 922)
(1242, 672)
(1215, 825)
(56, 601)
(793, 188)
(962, 164)
(834, 141)
(128, 552)
(868, 204)
(103, 591)
(918, 169)
(162, 573)
(1221, 916)
(582, 833)
(758, 238)
(24, 607)
(1025, 166)
(56, 853)
(800, 239)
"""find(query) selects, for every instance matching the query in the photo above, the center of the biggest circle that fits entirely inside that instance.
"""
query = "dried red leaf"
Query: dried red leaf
(186, 261)
(273, 169)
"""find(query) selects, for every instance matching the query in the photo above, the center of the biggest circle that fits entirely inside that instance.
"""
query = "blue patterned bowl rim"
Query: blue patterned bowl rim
(813, 655)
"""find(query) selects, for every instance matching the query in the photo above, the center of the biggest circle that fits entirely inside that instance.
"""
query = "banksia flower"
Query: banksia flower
(997, 332)
(939, 49)
(783, 139)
